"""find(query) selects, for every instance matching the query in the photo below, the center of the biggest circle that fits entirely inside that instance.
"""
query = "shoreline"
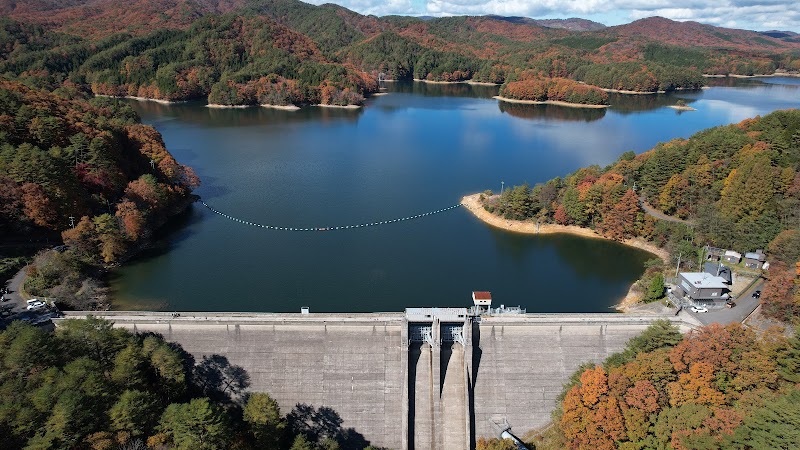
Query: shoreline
(550, 102)
(219, 106)
(474, 83)
(625, 92)
(281, 107)
(776, 74)
(143, 99)
(339, 106)
(472, 203)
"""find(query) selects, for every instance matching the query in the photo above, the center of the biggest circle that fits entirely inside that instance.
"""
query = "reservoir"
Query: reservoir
(419, 148)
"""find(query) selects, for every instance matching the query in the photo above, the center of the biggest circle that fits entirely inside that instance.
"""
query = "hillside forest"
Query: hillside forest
(282, 52)
(738, 186)
(85, 172)
(715, 387)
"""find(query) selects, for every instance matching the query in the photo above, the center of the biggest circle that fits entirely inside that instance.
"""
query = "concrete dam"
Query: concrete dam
(429, 379)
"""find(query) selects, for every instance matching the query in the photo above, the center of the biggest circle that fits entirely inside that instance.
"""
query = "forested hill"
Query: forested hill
(68, 161)
(738, 185)
(287, 51)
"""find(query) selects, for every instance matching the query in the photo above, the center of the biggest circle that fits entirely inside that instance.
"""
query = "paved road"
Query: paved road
(658, 214)
(13, 285)
(19, 310)
(745, 305)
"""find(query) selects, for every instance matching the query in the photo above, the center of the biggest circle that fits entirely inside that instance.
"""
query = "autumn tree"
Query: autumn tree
(620, 222)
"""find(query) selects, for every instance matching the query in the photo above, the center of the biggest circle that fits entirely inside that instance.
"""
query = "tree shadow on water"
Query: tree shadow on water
(322, 423)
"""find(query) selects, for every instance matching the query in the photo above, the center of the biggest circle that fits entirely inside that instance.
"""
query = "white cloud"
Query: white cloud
(746, 14)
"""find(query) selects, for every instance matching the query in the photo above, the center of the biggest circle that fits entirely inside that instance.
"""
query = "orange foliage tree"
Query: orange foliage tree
(689, 396)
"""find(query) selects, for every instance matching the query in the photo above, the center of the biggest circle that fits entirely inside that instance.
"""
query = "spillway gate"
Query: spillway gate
(438, 398)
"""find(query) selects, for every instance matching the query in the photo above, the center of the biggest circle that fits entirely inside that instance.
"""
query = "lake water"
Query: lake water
(419, 148)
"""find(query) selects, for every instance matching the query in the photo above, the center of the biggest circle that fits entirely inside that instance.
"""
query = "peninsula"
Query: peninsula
(474, 204)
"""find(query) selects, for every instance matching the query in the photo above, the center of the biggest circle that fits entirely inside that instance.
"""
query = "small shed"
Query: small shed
(732, 257)
(755, 260)
(482, 299)
(719, 270)
(714, 253)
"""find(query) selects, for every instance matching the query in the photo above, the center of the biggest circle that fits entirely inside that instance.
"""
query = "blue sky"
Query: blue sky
(747, 14)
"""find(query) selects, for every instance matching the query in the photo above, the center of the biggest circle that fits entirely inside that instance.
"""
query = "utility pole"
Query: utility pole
(72, 221)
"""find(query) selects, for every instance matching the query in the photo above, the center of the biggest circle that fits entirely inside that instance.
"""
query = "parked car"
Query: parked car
(730, 303)
(757, 294)
(34, 304)
(699, 309)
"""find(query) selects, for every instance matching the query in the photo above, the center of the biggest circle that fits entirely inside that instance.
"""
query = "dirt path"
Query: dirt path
(658, 214)
(472, 203)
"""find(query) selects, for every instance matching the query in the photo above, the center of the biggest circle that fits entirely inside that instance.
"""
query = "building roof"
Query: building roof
(704, 280)
(756, 256)
(733, 253)
(481, 295)
(719, 270)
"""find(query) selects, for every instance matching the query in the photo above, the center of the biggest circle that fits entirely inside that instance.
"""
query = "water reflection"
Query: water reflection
(554, 112)
(195, 113)
(629, 104)
(444, 89)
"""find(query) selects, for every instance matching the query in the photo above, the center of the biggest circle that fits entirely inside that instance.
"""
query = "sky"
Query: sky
(759, 15)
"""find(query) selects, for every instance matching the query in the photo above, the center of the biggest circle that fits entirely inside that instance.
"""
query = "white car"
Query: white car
(34, 304)
(699, 309)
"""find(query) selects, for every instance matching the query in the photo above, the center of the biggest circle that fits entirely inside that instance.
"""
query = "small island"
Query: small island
(555, 91)
(681, 105)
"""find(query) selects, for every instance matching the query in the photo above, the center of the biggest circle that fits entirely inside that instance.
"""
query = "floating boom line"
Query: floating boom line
(342, 227)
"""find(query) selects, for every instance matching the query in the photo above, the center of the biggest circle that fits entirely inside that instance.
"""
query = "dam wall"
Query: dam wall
(390, 389)
(520, 363)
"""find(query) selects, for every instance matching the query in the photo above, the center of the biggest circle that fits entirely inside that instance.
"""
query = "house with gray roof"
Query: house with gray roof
(732, 257)
(755, 260)
(702, 286)
(719, 270)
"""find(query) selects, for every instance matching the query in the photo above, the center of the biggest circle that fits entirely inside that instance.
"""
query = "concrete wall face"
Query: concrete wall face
(354, 369)
(403, 396)
(520, 369)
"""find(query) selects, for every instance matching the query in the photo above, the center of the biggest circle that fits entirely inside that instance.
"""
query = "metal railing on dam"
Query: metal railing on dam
(395, 391)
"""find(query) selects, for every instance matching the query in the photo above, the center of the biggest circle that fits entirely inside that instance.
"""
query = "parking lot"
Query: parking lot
(745, 305)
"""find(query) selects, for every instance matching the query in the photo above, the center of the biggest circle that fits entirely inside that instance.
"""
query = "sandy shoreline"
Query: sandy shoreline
(472, 203)
(633, 297)
(682, 108)
(622, 91)
(219, 106)
(143, 99)
(475, 83)
(776, 74)
(281, 107)
(339, 106)
(549, 102)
